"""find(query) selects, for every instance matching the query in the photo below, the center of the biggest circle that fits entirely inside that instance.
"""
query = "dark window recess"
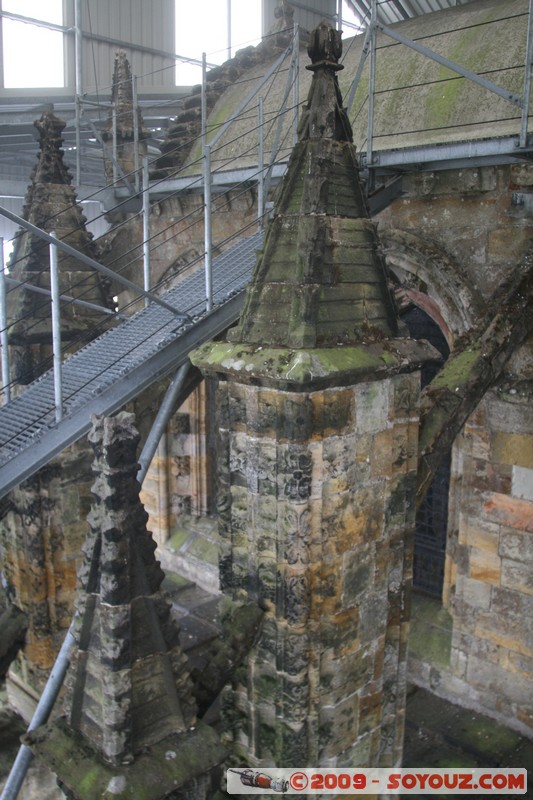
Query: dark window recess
(432, 517)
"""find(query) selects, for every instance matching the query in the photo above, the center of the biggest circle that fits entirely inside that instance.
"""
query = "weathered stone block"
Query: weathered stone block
(372, 406)
(339, 462)
(333, 412)
(341, 676)
(294, 595)
(517, 576)
(338, 726)
(358, 571)
(516, 546)
(340, 632)
(294, 472)
(514, 449)
(512, 604)
(476, 593)
(294, 745)
(485, 565)
(382, 454)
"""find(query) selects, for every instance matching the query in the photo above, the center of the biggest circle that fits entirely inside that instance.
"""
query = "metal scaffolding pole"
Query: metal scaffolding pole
(161, 421)
(296, 78)
(260, 164)
(135, 132)
(3, 328)
(208, 230)
(79, 85)
(204, 100)
(229, 28)
(146, 229)
(42, 712)
(371, 90)
(114, 158)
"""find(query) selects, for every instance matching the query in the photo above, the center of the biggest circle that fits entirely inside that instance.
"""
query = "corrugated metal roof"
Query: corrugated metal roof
(390, 11)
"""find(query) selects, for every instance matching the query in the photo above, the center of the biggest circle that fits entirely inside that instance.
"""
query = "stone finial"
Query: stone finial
(51, 167)
(325, 48)
(324, 117)
(285, 12)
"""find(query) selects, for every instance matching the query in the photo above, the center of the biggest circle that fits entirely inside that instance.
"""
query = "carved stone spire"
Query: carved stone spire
(51, 204)
(128, 685)
(123, 108)
(129, 697)
(321, 280)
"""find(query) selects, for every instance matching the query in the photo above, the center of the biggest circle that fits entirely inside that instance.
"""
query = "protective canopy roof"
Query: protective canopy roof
(390, 11)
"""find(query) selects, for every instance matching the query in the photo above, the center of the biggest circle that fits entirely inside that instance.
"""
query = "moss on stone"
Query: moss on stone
(430, 636)
(156, 772)
(179, 538)
(312, 368)
(204, 549)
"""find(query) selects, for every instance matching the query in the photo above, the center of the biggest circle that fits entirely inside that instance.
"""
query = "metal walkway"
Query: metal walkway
(119, 365)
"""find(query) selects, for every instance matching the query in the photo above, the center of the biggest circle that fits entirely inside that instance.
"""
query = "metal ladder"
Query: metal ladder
(119, 365)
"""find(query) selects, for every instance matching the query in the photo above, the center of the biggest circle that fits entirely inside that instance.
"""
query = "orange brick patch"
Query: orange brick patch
(509, 511)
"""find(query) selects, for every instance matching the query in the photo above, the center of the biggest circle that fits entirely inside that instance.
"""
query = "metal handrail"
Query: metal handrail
(71, 251)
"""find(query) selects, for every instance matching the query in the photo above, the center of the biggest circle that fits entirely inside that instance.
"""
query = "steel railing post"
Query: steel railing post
(114, 145)
(135, 132)
(229, 27)
(260, 165)
(56, 331)
(207, 229)
(3, 328)
(78, 43)
(371, 90)
(296, 78)
(203, 100)
(146, 229)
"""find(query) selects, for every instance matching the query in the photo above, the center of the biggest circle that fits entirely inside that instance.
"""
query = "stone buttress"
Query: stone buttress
(130, 728)
(318, 422)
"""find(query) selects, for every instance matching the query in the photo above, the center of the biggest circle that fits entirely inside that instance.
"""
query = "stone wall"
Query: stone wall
(490, 563)
(451, 240)
(41, 537)
(315, 523)
(179, 481)
(177, 238)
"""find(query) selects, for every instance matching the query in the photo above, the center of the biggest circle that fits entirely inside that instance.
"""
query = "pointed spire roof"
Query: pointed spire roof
(123, 101)
(320, 280)
(51, 204)
(128, 686)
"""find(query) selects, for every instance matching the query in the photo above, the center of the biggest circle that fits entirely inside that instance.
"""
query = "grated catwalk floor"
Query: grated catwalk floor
(120, 362)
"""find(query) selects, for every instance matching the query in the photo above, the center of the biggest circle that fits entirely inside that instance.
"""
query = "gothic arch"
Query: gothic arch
(432, 280)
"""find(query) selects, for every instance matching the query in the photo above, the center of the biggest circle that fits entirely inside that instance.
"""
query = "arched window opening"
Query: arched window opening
(432, 517)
